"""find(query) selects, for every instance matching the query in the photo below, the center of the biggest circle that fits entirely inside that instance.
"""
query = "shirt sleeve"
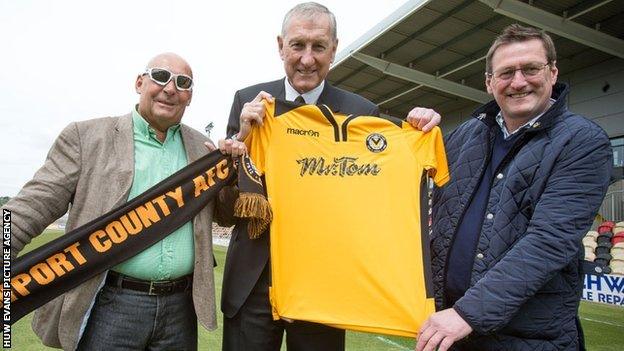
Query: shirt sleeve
(435, 156)
(257, 141)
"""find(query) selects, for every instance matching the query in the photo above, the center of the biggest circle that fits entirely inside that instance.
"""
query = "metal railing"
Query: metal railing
(612, 208)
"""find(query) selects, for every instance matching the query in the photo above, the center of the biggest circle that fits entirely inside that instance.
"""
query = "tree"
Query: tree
(4, 200)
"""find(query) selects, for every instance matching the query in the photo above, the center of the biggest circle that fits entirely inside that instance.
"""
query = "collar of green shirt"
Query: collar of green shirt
(144, 129)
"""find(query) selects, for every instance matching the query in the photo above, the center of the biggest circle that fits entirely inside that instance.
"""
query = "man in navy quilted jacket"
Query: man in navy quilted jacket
(527, 178)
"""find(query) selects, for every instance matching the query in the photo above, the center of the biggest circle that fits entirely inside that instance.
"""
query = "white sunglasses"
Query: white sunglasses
(162, 77)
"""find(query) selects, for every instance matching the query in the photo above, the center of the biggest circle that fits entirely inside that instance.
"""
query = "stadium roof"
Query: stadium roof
(432, 52)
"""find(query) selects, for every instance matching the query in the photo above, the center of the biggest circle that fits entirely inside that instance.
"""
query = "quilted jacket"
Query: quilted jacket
(526, 280)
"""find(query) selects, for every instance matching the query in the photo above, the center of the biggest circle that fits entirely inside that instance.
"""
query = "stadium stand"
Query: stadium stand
(221, 235)
(605, 247)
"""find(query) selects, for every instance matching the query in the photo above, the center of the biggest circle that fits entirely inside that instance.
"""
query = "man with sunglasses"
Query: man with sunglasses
(307, 47)
(527, 179)
(153, 300)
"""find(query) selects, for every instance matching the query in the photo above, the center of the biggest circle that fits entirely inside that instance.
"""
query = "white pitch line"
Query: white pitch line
(603, 322)
(390, 342)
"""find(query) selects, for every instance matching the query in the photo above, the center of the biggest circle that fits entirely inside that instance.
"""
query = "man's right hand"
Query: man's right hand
(252, 112)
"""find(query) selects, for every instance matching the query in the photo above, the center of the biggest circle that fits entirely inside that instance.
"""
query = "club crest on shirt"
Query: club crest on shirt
(376, 142)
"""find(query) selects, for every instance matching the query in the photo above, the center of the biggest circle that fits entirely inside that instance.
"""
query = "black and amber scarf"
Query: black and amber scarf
(62, 264)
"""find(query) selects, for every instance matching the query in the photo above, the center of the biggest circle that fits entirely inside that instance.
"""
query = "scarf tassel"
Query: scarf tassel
(256, 208)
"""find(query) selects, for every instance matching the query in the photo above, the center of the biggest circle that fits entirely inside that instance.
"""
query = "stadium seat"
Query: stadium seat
(617, 261)
(617, 239)
(619, 270)
(617, 250)
(591, 234)
(617, 256)
(603, 248)
(617, 266)
(589, 255)
(604, 237)
(603, 259)
(606, 227)
(590, 242)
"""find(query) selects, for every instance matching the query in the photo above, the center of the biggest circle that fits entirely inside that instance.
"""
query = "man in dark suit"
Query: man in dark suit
(307, 46)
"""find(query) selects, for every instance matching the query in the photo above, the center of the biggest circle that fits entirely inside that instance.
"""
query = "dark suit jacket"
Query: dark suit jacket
(246, 258)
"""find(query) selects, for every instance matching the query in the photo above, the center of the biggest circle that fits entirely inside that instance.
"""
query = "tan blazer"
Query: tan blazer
(89, 169)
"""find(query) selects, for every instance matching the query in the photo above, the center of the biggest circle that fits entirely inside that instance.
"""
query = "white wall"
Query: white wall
(588, 98)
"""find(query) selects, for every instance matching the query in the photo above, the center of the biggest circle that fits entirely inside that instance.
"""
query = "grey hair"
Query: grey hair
(310, 10)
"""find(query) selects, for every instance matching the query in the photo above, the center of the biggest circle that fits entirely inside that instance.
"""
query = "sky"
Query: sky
(73, 60)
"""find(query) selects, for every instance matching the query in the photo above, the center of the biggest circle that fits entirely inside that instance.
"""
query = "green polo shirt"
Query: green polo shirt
(154, 161)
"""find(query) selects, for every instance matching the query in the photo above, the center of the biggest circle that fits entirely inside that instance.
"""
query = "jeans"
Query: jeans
(123, 319)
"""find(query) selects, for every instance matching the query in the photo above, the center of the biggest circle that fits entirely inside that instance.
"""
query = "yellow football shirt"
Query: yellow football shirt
(346, 247)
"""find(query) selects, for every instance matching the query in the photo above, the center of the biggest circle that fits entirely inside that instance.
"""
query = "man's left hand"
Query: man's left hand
(423, 118)
(442, 328)
(232, 147)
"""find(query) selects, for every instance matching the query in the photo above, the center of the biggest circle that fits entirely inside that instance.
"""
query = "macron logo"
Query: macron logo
(303, 132)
